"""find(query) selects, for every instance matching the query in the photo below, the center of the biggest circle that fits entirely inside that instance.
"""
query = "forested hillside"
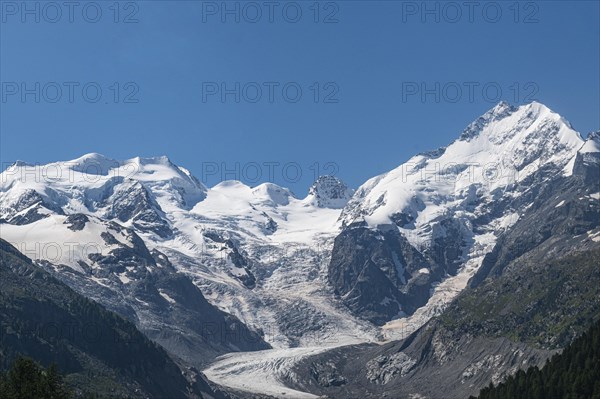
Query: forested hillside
(573, 374)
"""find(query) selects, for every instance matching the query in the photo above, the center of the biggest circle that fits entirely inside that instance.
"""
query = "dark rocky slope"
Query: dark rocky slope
(99, 351)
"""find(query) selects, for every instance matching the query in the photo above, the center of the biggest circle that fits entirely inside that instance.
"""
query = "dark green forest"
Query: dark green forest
(572, 374)
(26, 379)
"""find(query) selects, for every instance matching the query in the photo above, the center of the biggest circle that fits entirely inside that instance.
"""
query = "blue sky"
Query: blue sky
(361, 67)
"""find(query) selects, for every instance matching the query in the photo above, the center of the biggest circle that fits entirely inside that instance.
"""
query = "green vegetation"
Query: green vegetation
(544, 304)
(573, 374)
(26, 379)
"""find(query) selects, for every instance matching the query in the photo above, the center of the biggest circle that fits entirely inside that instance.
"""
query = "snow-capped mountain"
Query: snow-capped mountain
(148, 240)
(532, 294)
(106, 227)
(497, 151)
(432, 219)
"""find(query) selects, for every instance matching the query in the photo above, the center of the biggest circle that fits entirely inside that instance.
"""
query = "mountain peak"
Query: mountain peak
(272, 192)
(517, 140)
(505, 119)
(93, 164)
(92, 156)
(499, 111)
(501, 108)
(329, 192)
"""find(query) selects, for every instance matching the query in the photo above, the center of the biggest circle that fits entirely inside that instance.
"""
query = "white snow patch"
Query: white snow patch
(167, 297)
(589, 146)
(594, 236)
(50, 239)
(124, 279)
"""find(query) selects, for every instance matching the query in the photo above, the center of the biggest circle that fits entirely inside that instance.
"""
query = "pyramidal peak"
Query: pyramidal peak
(500, 111)
(503, 146)
(329, 192)
(504, 119)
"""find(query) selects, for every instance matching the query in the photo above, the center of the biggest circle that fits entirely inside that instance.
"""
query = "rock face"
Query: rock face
(561, 220)
(29, 207)
(326, 374)
(330, 192)
(131, 201)
(379, 274)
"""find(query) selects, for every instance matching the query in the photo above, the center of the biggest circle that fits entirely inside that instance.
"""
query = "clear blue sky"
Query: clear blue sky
(371, 61)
